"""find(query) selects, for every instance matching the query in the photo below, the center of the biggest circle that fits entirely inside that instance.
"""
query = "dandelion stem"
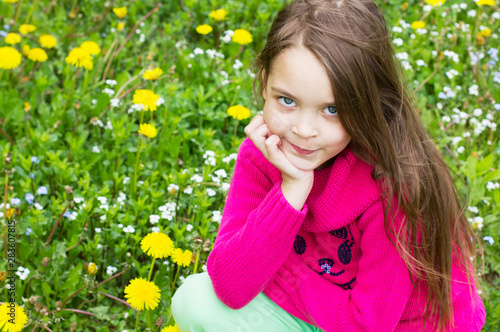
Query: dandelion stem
(32, 8)
(175, 279)
(1, 73)
(196, 262)
(151, 269)
(137, 320)
(18, 9)
(235, 128)
(69, 93)
(85, 82)
(139, 146)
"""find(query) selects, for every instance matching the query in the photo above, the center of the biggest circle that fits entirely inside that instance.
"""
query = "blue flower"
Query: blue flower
(32, 175)
(35, 160)
(42, 191)
(28, 231)
(29, 198)
(496, 78)
(493, 53)
(67, 214)
(489, 239)
(15, 201)
(497, 107)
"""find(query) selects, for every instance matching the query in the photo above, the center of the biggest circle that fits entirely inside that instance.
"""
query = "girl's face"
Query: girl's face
(299, 107)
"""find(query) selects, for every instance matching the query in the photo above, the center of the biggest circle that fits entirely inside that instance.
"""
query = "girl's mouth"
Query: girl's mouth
(302, 151)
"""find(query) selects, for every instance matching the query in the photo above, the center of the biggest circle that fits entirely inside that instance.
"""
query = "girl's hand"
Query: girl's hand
(269, 144)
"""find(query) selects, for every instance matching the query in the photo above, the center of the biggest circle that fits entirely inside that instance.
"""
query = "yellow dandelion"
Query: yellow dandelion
(435, 3)
(152, 74)
(120, 26)
(10, 1)
(486, 2)
(147, 130)
(9, 322)
(182, 258)
(10, 213)
(486, 32)
(37, 54)
(26, 28)
(47, 41)
(418, 25)
(141, 294)
(80, 57)
(120, 12)
(27, 106)
(146, 98)
(204, 29)
(242, 37)
(26, 50)
(218, 15)
(239, 112)
(12, 38)
(9, 57)
(91, 47)
(172, 328)
(92, 269)
(157, 245)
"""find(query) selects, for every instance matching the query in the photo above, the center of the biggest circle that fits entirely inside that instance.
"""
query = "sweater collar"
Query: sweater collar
(340, 193)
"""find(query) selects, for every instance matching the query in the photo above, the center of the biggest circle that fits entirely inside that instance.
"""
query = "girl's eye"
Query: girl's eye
(332, 110)
(286, 101)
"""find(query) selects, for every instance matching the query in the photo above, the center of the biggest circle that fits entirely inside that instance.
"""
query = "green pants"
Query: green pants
(196, 308)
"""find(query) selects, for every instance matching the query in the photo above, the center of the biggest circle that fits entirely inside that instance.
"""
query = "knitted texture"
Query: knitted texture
(330, 264)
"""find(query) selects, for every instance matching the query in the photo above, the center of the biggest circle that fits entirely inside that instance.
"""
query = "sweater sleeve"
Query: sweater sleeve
(379, 296)
(256, 233)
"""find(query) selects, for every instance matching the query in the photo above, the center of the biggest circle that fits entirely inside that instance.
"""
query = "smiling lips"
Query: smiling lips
(301, 151)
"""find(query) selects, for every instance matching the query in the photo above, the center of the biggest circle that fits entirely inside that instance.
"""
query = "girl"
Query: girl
(341, 215)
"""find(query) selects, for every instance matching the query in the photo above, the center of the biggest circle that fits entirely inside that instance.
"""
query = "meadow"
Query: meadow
(120, 123)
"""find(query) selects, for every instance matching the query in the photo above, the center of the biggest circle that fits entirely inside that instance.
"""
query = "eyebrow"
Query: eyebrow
(283, 92)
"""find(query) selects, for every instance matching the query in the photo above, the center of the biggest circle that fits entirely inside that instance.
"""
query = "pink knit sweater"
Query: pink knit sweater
(330, 264)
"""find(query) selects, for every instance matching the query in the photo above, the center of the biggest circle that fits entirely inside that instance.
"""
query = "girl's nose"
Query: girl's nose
(304, 127)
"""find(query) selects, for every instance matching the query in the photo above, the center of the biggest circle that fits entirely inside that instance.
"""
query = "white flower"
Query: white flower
(115, 102)
(402, 56)
(463, 6)
(237, 64)
(78, 200)
(446, 118)
(471, 13)
(129, 229)
(155, 229)
(154, 218)
(94, 101)
(188, 190)
(110, 270)
(103, 217)
(420, 63)
(216, 216)
(477, 112)
(211, 192)
(172, 187)
(473, 209)
(198, 51)
(111, 82)
(95, 149)
(98, 230)
(109, 125)
(198, 178)
(398, 41)
(160, 101)
(492, 186)
(455, 140)
(227, 36)
(452, 73)
(126, 180)
(460, 149)
(397, 29)
(109, 91)
(189, 227)
(473, 90)
(102, 199)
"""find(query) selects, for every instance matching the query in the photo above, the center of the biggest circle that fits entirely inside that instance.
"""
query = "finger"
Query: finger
(257, 121)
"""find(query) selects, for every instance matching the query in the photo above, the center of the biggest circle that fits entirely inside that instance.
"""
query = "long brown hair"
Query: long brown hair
(351, 39)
